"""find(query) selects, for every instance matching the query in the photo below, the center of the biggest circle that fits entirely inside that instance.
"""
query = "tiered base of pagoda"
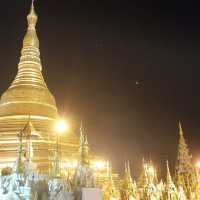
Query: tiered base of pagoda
(43, 146)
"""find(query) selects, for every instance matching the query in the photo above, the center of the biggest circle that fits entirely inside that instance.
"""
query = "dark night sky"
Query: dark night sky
(94, 52)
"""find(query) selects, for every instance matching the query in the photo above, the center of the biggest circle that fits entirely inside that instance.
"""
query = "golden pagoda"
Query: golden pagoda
(171, 190)
(29, 97)
(110, 190)
(129, 187)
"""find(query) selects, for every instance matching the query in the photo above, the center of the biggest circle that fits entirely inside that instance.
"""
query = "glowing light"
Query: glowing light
(99, 165)
(61, 126)
(198, 164)
(113, 198)
(151, 170)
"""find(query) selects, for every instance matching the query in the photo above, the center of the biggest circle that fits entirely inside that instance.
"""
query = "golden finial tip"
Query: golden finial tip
(167, 164)
(180, 128)
(32, 10)
(32, 17)
(32, 3)
(31, 37)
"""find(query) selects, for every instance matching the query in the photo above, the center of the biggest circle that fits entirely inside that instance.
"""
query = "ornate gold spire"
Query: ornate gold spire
(110, 191)
(180, 128)
(84, 147)
(184, 167)
(29, 133)
(30, 65)
(19, 168)
(171, 190)
(184, 160)
(129, 187)
(28, 93)
(31, 36)
(145, 168)
(128, 172)
(109, 173)
(169, 178)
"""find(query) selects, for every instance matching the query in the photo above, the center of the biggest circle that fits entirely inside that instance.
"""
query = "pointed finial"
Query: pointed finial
(128, 171)
(32, 5)
(31, 38)
(128, 167)
(143, 161)
(32, 17)
(180, 128)
(169, 179)
(81, 126)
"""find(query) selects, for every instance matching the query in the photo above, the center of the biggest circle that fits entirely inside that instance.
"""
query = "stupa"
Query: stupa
(29, 97)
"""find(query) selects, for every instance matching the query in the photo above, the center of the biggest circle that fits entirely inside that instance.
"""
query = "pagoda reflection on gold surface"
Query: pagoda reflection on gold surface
(28, 96)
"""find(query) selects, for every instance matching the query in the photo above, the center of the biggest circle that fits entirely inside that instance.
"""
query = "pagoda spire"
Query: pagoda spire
(30, 133)
(28, 129)
(109, 172)
(184, 167)
(149, 187)
(19, 168)
(29, 91)
(128, 172)
(180, 129)
(84, 174)
(146, 178)
(169, 178)
(83, 147)
(110, 191)
(184, 164)
(143, 179)
(29, 68)
(129, 188)
(171, 190)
